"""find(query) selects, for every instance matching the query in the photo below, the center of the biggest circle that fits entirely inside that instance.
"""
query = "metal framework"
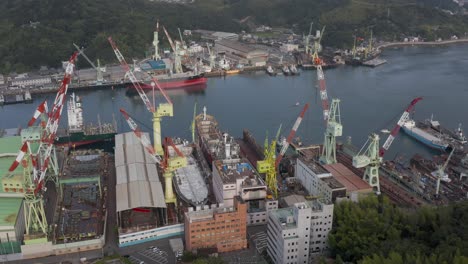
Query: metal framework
(156, 55)
(372, 157)
(37, 164)
(334, 129)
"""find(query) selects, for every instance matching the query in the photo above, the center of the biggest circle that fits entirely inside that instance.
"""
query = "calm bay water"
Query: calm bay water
(371, 100)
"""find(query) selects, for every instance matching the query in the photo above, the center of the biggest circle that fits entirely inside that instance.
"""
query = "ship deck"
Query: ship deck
(190, 184)
(425, 134)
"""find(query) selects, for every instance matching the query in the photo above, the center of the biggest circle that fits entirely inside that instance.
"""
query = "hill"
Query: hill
(35, 33)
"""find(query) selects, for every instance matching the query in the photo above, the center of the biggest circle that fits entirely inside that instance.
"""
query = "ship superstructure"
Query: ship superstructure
(233, 174)
(78, 133)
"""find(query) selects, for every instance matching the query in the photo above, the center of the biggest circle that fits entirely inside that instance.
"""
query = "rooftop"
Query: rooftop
(137, 182)
(9, 147)
(9, 208)
(282, 215)
(236, 45)
(232, 170)
(333, 183)
(347, 178)
(315, 166)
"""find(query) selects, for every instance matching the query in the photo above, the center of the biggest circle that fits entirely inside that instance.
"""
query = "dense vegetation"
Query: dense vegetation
(372, 232)
(25, 46)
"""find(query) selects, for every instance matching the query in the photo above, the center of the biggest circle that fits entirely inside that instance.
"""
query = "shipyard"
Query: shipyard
(175, 156)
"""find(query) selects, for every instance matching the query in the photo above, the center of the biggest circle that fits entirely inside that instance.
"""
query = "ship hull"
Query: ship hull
(422, 139)
(177, 83)
(80, 139)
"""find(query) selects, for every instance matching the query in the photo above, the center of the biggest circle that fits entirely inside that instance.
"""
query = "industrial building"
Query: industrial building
(255, 57)
(233, 177)
(296, 233)
(220, 227)
(141, 209)
(332, 181)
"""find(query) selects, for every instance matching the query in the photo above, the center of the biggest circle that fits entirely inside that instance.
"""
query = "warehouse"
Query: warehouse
(255, 57)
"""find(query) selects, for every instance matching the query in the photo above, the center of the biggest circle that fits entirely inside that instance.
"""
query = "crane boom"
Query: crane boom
(131, 76)
(323, 93)
(42, 108)
(81, 52)
(404, 117)
(53, 122)
(169, 39)
(291, 135)
(141, 137)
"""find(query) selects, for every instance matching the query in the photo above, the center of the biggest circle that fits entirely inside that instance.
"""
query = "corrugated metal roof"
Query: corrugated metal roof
(345, 176)
(137, 182)
(9, 208)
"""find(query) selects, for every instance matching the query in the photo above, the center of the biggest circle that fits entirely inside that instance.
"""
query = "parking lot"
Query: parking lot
(149, 255)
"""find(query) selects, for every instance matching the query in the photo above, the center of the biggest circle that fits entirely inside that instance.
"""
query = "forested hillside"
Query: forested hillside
(370, 232)
(25, 44)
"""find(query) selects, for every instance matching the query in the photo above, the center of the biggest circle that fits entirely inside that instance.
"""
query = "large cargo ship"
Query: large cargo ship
(78, 133)
(212, 142)
(189, 181)
(426, 135)
(177, 80)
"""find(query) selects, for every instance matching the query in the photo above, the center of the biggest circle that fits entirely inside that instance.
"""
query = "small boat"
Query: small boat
(293, 70)
(232, 71)
(271, 71)
(385, 131)
(286, 70)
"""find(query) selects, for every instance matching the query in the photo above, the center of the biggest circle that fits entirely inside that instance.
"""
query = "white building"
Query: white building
(318, 181)
(296, 233)
(288, 234)
(32, 81)
(289, 47)
(237, 177)
(2, 79)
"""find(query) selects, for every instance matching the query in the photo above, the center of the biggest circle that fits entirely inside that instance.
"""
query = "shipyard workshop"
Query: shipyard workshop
(241, 53)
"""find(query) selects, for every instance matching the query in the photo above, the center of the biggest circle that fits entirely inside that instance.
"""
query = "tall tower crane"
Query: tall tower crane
(440, 172)
(168, 164)
(372, 157)
(37, 164)
(164, 109)
(307, 39)
(318, 47)
(175, 45)
(270, 164)
(156, 55)
(212, 57)
(99, 70)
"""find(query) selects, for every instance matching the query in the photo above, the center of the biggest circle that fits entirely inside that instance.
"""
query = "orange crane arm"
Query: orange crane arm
(169, 39)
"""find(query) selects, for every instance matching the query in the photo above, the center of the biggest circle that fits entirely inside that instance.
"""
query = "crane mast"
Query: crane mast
(372, 157)
(156, 55)
(37, 164)
(334, 129)
(440, 173)
(165, 109)
(99, 70)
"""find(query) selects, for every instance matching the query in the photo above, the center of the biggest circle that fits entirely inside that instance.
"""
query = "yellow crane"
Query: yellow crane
(166, 109)
(270, 164)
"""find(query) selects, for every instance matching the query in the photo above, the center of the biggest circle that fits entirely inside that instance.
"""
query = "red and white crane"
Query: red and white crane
(404, 117)
(323, 92)
(165, 109)
(371, 155)
(35, 219)
(291, 135)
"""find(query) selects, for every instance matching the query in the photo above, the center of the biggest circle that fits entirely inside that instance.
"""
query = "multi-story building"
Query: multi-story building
(288, 234)
(296, 233)
(31, 81)
(318, 181)
(221, 227)
(237, 177)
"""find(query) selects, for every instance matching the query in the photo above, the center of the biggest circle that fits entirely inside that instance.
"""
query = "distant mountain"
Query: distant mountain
(34, 33)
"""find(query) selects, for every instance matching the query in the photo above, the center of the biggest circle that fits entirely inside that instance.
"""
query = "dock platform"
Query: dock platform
(374, 62)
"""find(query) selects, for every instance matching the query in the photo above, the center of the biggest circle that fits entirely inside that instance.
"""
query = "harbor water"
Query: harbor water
(372, 99)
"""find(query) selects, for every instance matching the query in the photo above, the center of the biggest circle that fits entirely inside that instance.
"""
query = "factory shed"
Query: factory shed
(353, 183)
(137, 184)
(256, 57)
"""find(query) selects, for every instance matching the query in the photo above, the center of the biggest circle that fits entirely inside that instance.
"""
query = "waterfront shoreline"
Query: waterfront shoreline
(426, 43)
